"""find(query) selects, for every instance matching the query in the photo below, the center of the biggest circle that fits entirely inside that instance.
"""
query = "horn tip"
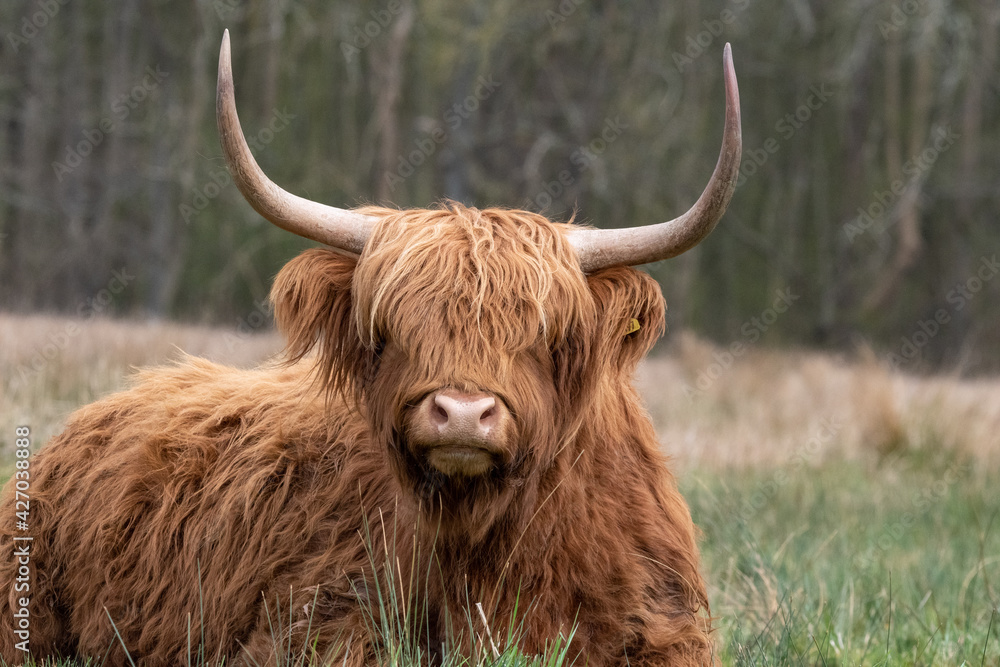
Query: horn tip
(729, 77)
(225, 63)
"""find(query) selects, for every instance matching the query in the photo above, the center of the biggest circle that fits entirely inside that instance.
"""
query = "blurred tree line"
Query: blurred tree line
(868, 194)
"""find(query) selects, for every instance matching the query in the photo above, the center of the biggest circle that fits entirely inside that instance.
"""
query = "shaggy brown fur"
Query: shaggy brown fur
(241, 502)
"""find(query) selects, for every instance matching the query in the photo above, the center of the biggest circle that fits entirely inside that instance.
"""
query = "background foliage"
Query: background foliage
(109, 160)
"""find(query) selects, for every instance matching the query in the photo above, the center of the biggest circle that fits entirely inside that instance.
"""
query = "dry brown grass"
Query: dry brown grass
(762, 407)
(52, 365)
(768, 407)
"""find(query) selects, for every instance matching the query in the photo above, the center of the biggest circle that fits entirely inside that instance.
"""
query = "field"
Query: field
(850, 515)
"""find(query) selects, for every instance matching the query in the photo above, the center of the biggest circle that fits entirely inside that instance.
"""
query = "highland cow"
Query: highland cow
(453, 424)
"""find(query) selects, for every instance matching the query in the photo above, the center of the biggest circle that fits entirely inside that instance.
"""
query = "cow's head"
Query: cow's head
(476, 342)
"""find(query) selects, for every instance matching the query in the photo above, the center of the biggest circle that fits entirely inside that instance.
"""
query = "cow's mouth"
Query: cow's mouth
(461, 459)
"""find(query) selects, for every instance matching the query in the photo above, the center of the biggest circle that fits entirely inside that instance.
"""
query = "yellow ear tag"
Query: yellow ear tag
(633, 326)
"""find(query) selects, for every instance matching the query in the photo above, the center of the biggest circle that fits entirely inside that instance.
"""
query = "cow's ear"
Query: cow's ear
(630, 314)
(312, 308)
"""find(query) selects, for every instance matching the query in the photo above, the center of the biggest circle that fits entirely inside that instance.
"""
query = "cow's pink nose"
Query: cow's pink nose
(460, 433)
(459, 416)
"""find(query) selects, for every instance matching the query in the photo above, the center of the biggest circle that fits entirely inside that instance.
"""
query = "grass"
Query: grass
(850, 515)
(852, 564)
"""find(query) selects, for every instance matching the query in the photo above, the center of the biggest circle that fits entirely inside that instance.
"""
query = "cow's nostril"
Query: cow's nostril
(439, 415)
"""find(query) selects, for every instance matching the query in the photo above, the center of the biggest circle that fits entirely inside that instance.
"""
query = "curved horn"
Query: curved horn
(336, 227)
(602, 248)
